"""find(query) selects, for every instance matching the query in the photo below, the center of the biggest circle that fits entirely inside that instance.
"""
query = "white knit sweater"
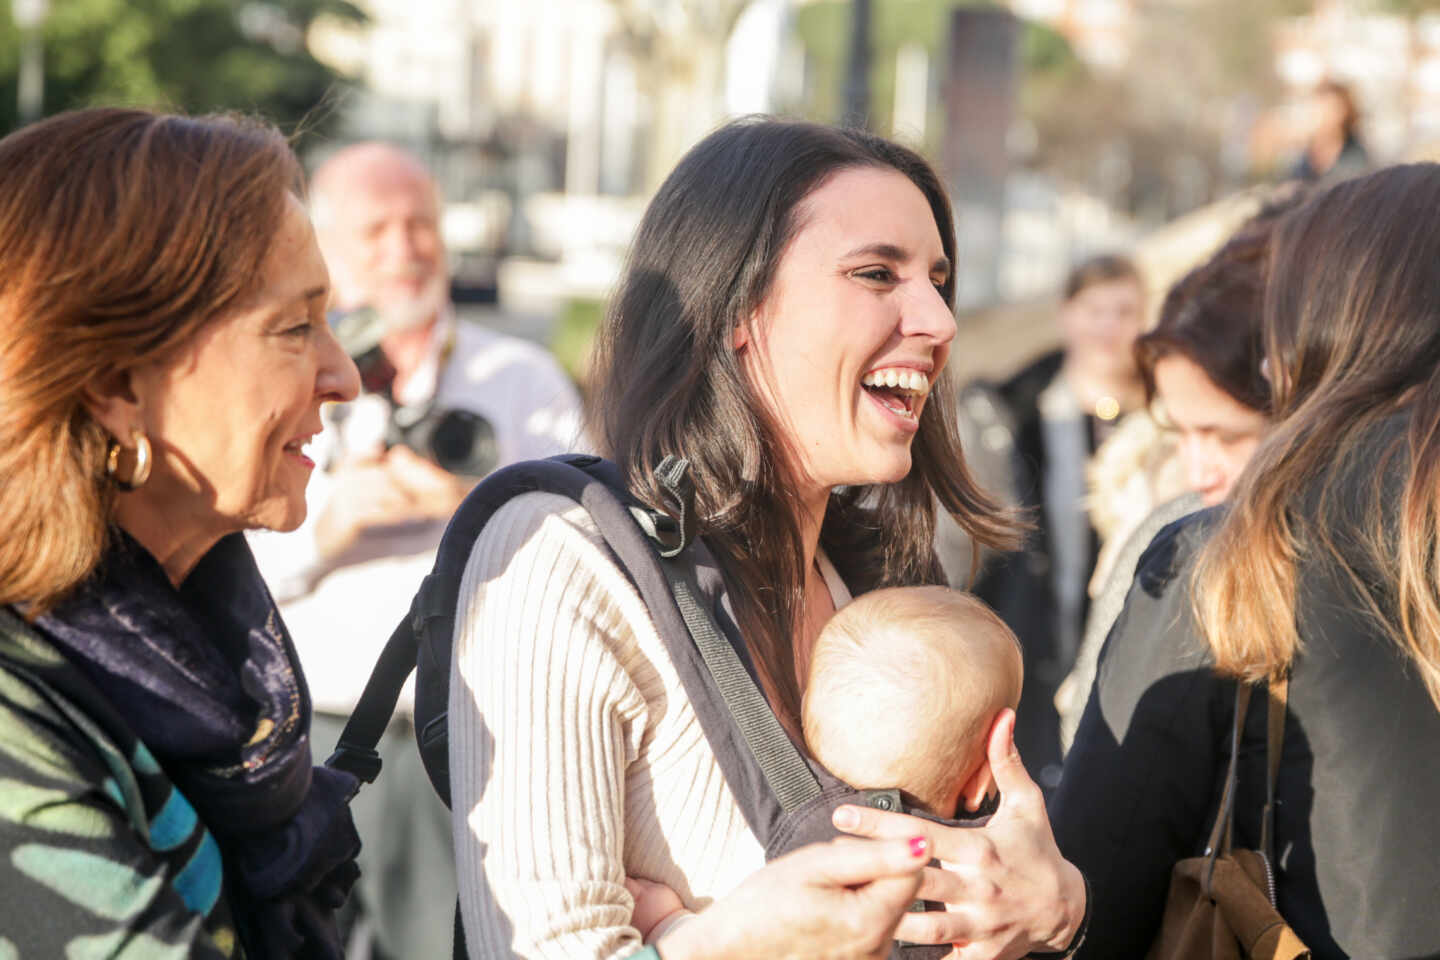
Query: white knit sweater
(575, 755)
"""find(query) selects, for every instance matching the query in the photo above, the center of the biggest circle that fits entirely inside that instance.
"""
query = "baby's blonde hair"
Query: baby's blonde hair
(904, 683)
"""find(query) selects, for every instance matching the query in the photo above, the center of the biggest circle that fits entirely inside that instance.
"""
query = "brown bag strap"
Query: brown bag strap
(1274, 743)
(1222, 832)
(1220, 836)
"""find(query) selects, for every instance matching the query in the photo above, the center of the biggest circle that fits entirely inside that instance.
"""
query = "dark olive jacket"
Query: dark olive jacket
(1358, 835)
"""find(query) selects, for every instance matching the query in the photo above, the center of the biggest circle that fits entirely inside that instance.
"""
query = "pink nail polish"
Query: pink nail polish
(918, 846)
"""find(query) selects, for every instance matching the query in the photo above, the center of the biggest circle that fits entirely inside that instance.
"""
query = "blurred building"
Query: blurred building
(549, 122)
(546, 121)
(504, 100)
(469, 70)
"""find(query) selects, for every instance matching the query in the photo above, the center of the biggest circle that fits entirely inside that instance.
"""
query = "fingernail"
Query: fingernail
(846, 818)
(918, 846)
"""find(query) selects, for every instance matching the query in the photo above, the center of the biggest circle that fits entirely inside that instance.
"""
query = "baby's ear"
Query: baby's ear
(981, 782)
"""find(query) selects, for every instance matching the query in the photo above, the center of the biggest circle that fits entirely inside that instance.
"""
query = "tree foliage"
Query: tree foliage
(1410, 8)
(193, 55)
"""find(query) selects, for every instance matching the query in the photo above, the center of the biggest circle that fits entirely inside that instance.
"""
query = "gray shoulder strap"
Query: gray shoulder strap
(787, 773)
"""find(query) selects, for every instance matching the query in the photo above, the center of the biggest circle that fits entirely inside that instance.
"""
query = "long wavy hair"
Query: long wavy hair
(1352, 337)
(124, 232)
(668, 381)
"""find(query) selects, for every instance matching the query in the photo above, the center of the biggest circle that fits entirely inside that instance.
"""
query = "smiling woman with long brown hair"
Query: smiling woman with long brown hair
(164, 355)
(784, 314)
(1324, 571)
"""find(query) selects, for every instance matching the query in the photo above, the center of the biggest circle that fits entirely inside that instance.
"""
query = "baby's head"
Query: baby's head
(905, 686)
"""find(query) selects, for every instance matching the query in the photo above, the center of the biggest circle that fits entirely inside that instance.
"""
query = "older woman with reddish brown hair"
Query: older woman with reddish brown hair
(164, 356)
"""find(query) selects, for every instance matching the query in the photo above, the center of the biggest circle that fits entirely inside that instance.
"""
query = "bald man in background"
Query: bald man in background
(377, 508)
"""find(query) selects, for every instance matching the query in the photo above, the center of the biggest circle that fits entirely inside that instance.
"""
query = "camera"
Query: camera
(459, 441)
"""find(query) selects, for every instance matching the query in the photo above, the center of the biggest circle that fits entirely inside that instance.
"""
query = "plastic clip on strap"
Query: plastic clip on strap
(673, 475)
(360, 762)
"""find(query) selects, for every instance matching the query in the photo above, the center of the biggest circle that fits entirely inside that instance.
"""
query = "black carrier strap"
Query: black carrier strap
(355, 752)
(421, 642)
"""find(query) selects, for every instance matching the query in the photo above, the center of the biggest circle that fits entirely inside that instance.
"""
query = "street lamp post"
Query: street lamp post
(30, 17)
(857, 70)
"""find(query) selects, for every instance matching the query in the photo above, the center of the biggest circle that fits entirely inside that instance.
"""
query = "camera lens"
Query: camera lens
(462, 442)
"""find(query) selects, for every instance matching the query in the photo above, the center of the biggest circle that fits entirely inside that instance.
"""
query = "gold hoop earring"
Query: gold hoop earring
(139, 472)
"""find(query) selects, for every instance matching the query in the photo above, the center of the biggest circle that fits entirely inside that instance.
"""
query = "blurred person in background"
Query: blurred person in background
(1321, 569)
(1038, 431)
(443, 402)
(1333, 149)
(163, 363)
(1202, 368)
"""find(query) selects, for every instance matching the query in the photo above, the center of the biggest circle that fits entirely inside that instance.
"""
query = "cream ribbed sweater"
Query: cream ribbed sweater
(575, 756)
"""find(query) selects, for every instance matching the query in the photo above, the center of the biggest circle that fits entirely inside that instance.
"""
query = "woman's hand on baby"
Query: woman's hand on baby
(1007, 889)
(839, 900)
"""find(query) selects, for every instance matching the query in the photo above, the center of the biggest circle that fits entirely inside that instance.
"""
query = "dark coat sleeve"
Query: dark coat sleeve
(1142, 776)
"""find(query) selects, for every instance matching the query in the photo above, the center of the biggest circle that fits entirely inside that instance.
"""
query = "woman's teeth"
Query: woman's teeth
(898, 389)
(912, 381)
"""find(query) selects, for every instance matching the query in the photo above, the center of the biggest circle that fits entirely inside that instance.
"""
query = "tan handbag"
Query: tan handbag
(1221, 905)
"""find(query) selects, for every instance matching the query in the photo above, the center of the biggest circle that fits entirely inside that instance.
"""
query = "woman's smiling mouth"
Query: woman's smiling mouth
(296, 448)
(899, 391)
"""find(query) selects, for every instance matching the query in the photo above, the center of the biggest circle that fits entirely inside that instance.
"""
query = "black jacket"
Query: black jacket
(1358, 840)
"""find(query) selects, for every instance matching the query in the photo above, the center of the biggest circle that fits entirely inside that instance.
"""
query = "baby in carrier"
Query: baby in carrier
(905, 686)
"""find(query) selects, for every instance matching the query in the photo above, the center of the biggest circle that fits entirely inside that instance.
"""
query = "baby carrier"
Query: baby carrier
(786, 797)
